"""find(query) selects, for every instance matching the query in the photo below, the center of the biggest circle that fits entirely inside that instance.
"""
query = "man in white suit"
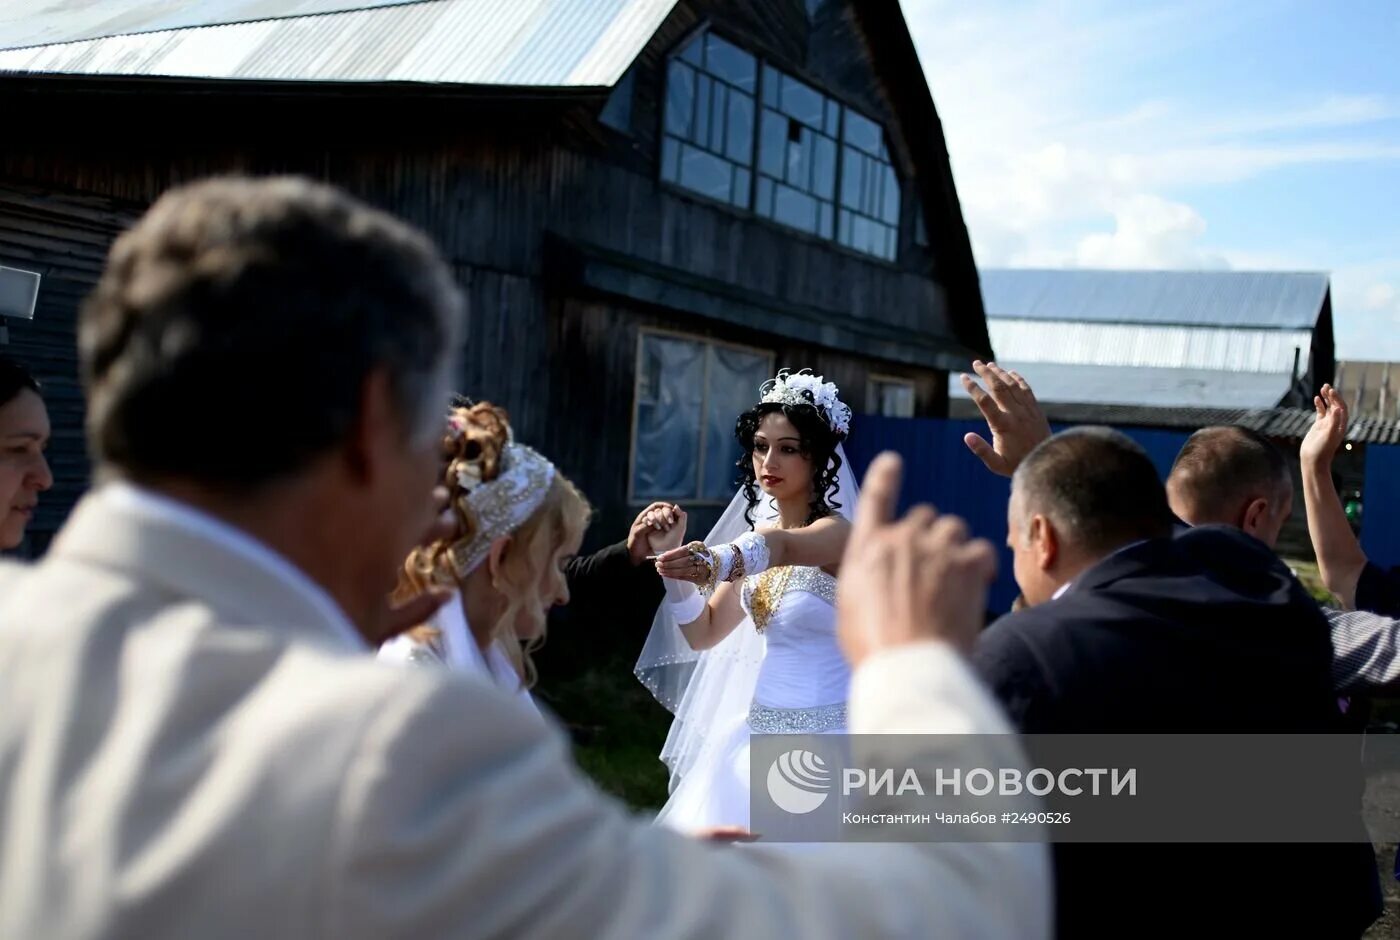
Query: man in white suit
(192, 739)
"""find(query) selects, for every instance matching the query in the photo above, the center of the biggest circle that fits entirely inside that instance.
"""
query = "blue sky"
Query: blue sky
(1250, 134)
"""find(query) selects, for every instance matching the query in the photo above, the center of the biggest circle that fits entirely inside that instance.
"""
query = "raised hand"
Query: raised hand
(1328, 432)
(1013, 415)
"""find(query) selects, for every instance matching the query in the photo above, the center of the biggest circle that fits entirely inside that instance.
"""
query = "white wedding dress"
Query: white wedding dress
(801, 689)
(790, 678)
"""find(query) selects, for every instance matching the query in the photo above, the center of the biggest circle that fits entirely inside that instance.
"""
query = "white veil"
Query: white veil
(712, 689)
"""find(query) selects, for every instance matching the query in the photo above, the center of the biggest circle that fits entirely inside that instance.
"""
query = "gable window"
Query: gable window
(708, 143)
(690, 391)
(821, 167)
(797, 155)
(869, 190)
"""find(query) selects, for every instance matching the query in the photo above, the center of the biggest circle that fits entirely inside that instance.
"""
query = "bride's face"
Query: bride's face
(779, 465)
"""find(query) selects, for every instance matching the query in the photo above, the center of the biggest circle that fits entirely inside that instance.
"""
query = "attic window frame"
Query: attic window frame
(830, 238)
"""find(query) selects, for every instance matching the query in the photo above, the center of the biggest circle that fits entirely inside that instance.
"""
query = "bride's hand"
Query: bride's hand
(681, 564)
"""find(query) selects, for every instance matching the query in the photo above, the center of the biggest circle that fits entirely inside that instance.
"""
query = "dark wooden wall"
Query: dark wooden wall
(494, 181)
(593, 383)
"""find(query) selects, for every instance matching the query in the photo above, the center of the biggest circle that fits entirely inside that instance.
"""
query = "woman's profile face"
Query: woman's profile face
(552, 589)
(24, 471)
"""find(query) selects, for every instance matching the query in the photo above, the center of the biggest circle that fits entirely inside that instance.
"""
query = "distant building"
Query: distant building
(1162, 339)
(1370, 389)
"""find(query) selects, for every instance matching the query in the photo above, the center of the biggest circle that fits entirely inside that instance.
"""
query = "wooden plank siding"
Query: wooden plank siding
(498, 177)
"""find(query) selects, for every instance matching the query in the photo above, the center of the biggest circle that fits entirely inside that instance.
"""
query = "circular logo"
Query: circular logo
(798, 781)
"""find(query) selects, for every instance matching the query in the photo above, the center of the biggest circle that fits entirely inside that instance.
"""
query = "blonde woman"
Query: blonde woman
(520, 523)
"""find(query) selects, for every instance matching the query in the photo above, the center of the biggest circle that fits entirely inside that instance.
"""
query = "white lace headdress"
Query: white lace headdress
(804, 388)
(502, 504)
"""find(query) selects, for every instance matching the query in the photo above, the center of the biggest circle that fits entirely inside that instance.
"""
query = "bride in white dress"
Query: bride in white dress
(746, 639)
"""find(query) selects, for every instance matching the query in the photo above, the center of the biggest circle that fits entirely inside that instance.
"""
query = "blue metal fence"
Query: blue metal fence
(940, 470)
(1380, 502)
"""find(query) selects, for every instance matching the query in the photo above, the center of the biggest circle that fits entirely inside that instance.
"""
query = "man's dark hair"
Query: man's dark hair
(15, 378)
(1219, 468)
(1097, 486)
(233, 328)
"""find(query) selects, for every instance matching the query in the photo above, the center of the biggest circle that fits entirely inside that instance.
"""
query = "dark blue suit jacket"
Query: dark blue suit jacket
(1206, 632)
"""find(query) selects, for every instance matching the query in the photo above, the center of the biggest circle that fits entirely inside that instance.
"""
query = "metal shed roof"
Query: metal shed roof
(1288, 423)
(1258, 299)
(1129, 385)
(534, 43)
(1229, 349)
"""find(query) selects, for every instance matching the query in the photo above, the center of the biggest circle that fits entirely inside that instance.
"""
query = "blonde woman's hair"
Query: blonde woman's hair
(477, 436)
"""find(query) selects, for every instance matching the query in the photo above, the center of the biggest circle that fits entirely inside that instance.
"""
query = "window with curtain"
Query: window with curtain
(689, 394)
(741, 132)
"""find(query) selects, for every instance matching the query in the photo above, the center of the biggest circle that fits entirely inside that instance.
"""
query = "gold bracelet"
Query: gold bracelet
(701, 552)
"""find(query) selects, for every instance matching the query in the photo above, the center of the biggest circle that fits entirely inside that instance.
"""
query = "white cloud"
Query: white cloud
(1050, 173)
(1379, 297)
(1149, 232)
(1330, 111)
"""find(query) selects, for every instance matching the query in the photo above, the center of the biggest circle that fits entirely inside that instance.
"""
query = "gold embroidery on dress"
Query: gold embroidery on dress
(765, 592)
(768, 590)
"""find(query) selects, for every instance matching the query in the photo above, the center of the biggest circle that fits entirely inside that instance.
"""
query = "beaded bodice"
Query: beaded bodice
(795, 609)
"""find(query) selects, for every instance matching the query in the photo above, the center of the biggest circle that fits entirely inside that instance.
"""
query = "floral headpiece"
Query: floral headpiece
(804, 388)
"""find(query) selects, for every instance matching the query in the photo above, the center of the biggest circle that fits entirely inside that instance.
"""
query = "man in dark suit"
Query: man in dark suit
(1130, 630)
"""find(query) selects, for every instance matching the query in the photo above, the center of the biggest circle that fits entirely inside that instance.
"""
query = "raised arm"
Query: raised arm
(1339, 555)
(722, 567)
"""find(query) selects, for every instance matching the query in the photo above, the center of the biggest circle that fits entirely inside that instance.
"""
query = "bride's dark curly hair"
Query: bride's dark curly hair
(819, 444)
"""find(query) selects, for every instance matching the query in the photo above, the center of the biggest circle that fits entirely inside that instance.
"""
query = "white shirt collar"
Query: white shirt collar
(160, 508)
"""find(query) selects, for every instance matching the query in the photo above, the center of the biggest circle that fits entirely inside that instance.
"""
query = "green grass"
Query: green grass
(617, 729)
(1308, 574)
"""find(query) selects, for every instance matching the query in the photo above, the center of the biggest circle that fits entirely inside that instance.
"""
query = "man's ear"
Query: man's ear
(1044, 541)
(1256, 515)
(374, 430)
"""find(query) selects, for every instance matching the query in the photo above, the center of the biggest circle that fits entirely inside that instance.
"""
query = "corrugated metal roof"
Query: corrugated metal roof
(1370, 388)
(46, 22)
(1150, 345)
(1132, 385)
(1259, 299)
(1289, 423)
(538, 43)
